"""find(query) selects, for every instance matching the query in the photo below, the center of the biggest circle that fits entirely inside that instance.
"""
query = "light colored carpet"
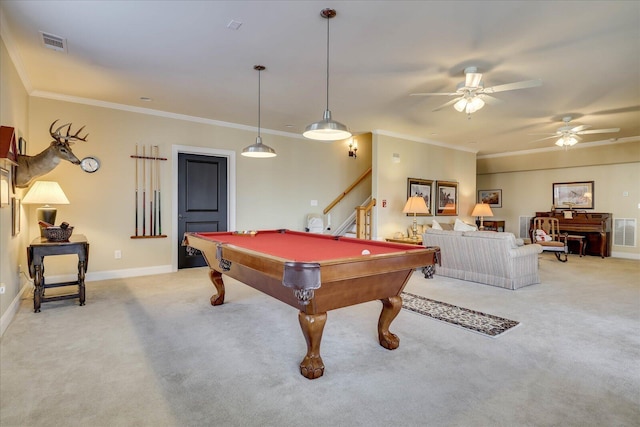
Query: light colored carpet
(151, 351)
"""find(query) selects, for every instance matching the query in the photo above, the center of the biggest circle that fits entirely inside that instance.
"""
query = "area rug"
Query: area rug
(476, 321)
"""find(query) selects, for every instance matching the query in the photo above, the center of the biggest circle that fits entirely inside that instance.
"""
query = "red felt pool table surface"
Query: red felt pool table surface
(305, 247)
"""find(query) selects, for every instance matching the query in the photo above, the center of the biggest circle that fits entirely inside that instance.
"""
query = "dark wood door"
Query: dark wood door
(202, 200)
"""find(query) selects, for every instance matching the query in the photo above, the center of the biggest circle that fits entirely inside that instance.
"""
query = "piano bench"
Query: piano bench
(580, 239)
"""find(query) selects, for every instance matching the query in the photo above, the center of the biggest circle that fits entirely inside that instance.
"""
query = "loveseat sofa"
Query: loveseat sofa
(492, 258)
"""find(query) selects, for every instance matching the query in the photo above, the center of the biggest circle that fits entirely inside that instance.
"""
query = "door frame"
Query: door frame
(231, 189)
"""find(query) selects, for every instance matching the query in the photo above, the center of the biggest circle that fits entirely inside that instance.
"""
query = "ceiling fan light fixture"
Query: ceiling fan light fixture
(469, 104)
(566, 141)
(327, 129)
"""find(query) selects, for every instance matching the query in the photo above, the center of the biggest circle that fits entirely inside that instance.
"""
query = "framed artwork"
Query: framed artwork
(15, 215)
(491, 197)
(22, 146)
(423, 188)
(573, 195)
(5, 187)
(447, 198)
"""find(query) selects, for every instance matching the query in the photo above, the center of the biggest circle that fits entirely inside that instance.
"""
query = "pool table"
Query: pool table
(314, 273)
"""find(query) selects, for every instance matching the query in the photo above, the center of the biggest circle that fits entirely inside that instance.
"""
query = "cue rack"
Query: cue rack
(148, 193)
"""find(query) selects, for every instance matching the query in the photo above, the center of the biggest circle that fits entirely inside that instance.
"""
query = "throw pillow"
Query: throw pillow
(462, 226)
(435, 225)
(541, 236)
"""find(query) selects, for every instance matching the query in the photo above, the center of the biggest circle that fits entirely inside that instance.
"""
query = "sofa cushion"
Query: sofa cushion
(500, 235)
(435, 225)
(459, 225)
(443, 232)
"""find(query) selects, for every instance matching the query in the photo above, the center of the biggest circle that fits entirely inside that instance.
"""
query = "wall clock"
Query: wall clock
(90, 164)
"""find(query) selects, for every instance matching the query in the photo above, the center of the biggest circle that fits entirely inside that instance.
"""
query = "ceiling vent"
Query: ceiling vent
(54, 42)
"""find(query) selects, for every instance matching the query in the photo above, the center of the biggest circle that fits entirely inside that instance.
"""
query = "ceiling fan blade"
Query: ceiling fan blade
(434, 94)
(473, 79)
(542, 139)
(489, 99)
(587, 132)
(453, 101)
(579, 128)
(513, 86)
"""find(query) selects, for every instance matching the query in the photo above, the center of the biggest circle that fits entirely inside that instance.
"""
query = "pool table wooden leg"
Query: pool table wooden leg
(312, 326)
(216, 279)
(390, 308)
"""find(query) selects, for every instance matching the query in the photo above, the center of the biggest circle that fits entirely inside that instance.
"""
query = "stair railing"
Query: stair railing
(363, 220)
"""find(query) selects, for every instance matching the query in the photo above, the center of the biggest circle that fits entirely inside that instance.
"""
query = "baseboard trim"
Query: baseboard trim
(12, 310)
(113, 274)
(625, 255)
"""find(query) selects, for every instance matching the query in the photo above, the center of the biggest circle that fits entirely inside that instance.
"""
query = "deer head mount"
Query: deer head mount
(31, 167)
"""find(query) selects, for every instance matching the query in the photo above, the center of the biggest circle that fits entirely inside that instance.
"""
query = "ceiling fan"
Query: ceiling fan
(471, 95)
(568, 136)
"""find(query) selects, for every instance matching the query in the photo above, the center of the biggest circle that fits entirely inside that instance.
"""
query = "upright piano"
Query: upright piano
(595, 226)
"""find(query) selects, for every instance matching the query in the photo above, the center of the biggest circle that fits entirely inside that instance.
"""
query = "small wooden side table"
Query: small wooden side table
(41, 247)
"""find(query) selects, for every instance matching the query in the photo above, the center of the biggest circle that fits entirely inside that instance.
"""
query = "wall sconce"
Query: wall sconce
(353, 148)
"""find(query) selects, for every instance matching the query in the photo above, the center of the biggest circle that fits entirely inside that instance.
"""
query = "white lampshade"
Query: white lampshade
(45, 193)
(482, 209)
(416, 205)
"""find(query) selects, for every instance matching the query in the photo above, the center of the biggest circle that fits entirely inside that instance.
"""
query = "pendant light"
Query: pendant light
(259, 149)
(327, 129)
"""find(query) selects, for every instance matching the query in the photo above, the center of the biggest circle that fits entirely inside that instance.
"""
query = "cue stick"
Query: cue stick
(136, 158)
(151, 231)
(158, 184)
(155, 190)
(144, 191)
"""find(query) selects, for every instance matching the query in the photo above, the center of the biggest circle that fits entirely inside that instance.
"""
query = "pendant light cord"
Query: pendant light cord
(259, 91)
(328, 19)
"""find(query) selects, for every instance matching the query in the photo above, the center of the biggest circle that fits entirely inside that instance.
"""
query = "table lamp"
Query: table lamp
(415, 205)
(482, 210)
(46, 193)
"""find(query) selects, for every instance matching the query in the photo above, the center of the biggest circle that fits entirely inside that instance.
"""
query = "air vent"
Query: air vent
(54, 42)
(524, 222)
(624, 232)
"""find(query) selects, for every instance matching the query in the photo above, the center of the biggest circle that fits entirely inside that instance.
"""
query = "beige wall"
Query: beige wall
(270, 193)
(421, 160)
(14, 103)
(615, 170)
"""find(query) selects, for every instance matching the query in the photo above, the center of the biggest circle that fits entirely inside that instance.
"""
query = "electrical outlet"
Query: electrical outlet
(117, 254)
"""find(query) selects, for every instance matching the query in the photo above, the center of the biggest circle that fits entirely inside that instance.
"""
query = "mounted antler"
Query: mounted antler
(68, 137)
(31, 167)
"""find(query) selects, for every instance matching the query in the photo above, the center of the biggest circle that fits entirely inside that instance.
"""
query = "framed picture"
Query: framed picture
(15, 215)
(22, 146)
(491, 197)
(447, 198)
(422, 188)
(5, 188)
(573, 195)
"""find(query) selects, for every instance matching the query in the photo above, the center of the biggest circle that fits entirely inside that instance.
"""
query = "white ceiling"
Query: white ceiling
(182, 55)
